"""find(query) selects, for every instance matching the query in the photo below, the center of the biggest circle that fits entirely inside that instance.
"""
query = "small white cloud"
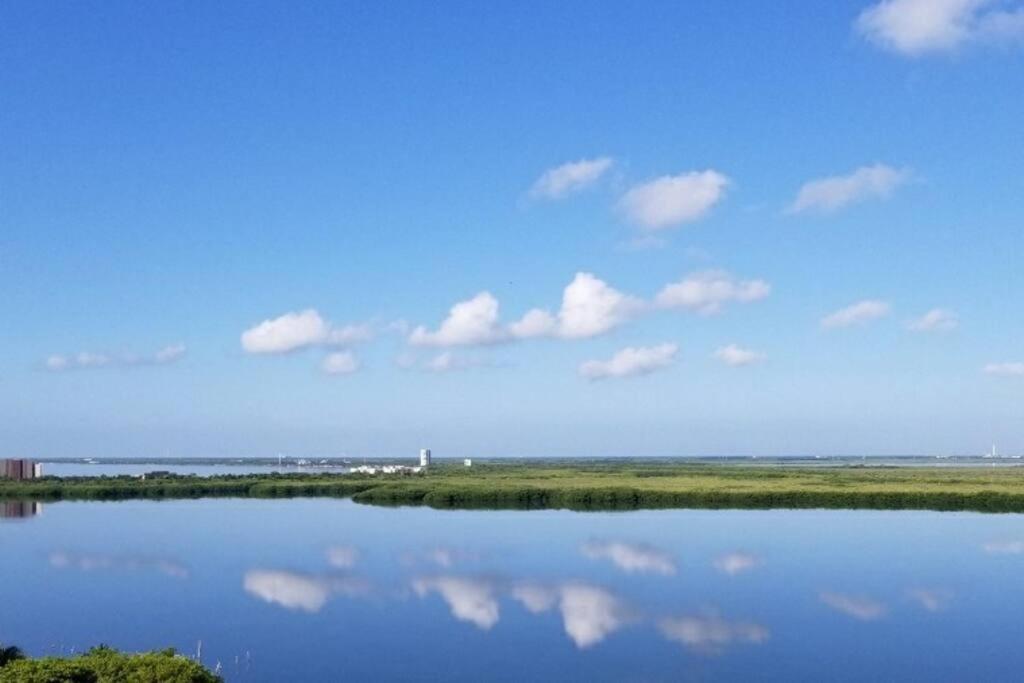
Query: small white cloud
(446, 361)
(1004, 548)
(935, 320)
(567, 179)
(169, 354)
(706, 292)
(1004, 369)
(856, 314)
(830, 194)
(736, 563)
(340, 363)
(591, 307)
(630, 361)
(858, 607)
(631, 557)
(919, 27)
(298, 330)
(90, 360)
(735, 356)
(288, 332)
(470, 322)
(710, 633)
(671, 200)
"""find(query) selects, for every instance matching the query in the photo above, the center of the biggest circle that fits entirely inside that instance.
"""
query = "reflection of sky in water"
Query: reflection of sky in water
(326, 589)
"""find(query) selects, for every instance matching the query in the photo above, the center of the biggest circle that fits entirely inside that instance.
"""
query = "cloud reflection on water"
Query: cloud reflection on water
(298, 591)
(631, 557)
(709, 633)
(1004, 548)
(469, 599)
(931, 599)
(60, 559)
(589, 613)
(736, 563)
(856, 606)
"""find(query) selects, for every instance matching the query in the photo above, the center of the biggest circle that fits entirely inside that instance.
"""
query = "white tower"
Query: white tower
(424, 457)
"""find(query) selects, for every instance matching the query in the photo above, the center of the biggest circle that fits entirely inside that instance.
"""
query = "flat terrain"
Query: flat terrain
(583, 485)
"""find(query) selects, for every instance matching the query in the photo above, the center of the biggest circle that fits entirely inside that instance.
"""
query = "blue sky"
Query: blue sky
(790, 229)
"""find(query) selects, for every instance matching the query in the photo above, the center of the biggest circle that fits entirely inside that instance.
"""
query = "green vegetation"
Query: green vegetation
(586, 485)
(103, 665)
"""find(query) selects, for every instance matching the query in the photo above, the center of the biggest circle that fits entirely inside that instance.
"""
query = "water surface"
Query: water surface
(329, 590)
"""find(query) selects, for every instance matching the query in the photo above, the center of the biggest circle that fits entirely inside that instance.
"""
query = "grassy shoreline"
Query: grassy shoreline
(583, 487)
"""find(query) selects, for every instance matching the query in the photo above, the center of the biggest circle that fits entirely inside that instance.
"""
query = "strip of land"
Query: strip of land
(583, 486)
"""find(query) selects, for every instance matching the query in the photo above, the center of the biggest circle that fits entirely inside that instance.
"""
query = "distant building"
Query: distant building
(20, 469)
(467, 462)
(424, 457)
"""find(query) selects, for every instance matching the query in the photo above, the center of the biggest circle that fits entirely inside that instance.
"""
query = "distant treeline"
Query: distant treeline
(617, 486)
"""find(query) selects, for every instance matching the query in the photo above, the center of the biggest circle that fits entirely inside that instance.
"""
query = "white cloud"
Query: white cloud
(561, 181)
(447, 361)
(536, 323)
(706, 292)
(591, 307)
(470, 322)
(303, 592)
(856, 314)
(933, 600)
(630, 361)
(919, 27)
(1004, 548)
(288, 332)
(343, 556)
(631, 557)
(340, 363)
(736, 563)
(736, 356)
(298, 330)
(935, 320)
(350, 334)
(88, 359)
(710, 633)
(169, 354)
(469, 599)
(671, 200)
(858, 607)
(1004, 369)
(830, 194)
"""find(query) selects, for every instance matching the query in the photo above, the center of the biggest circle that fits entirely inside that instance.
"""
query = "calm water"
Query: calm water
(329, 590)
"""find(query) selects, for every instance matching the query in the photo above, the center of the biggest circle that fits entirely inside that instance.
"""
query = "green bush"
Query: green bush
(106, 665)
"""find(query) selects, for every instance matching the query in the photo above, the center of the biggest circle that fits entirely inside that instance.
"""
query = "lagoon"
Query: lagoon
(328, 589)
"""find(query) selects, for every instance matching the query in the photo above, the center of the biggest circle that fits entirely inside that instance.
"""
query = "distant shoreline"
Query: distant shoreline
(582, 485)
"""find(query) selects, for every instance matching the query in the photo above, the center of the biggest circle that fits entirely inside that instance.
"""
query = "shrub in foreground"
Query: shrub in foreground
(106, 665)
